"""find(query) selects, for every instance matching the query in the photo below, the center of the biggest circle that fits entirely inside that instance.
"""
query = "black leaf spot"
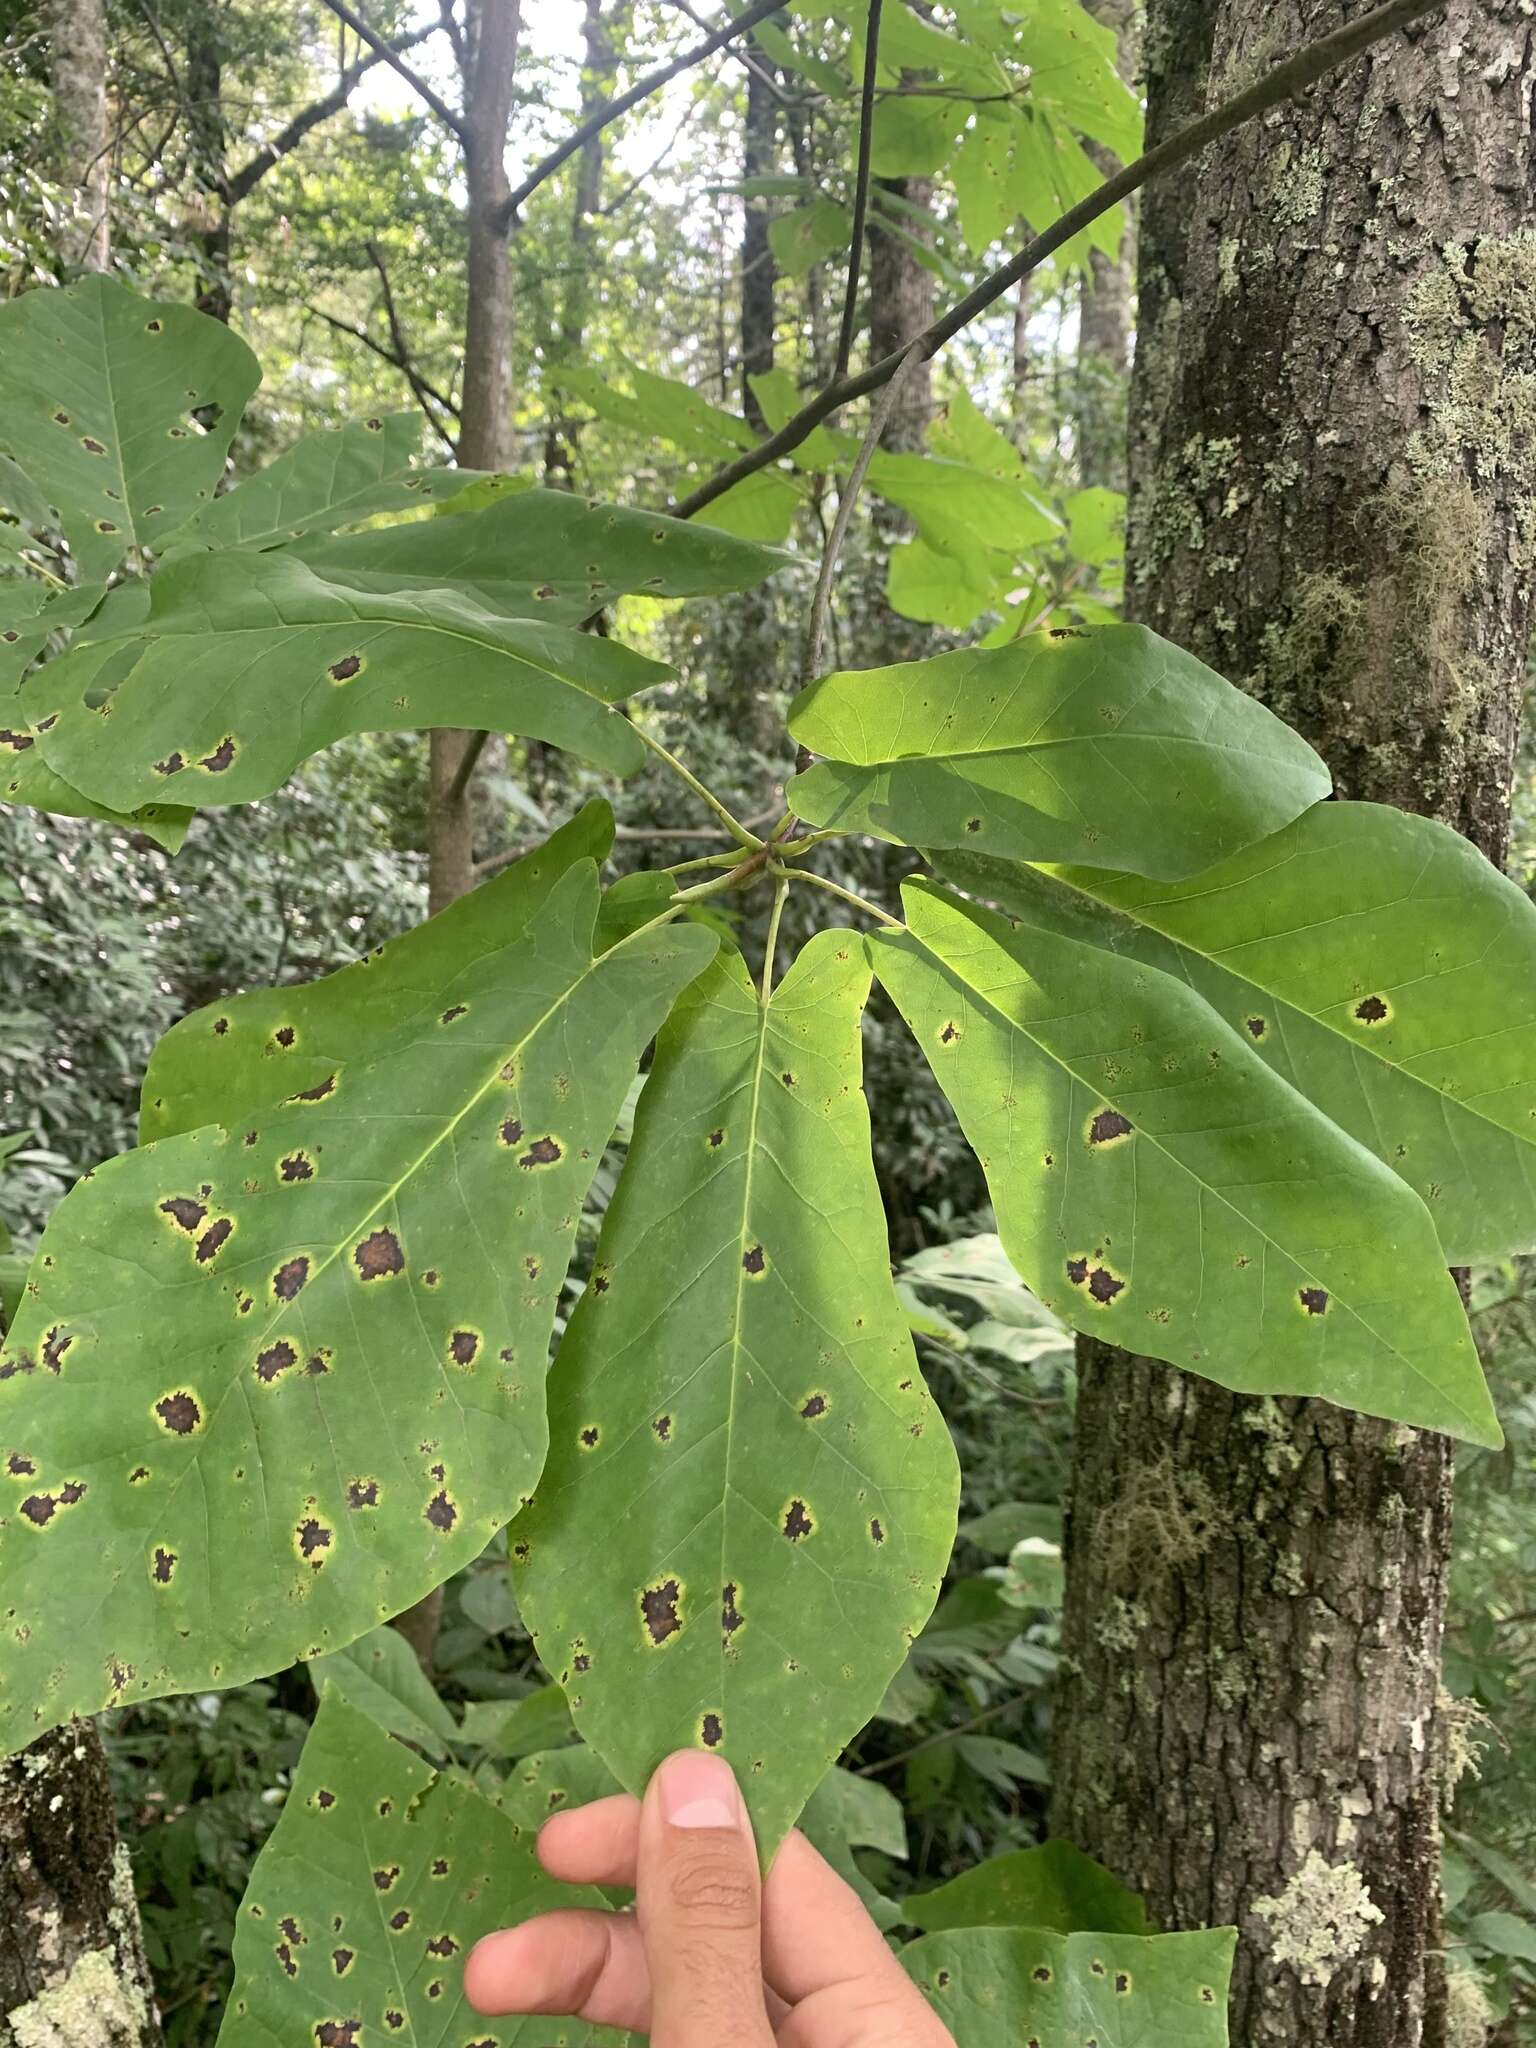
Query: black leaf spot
(1373, 1010)
(379, 1256)
(179, 1412)
(184, 1212)
(441, 1511)
(1313, 1299)
(730, 1613)
(362, 1493)
(290, 1277)
(222, 756)
(754, 1260)
(344, 670)
(212, 1238)
(277, 1358)
(463, 1346)
(1108, 1125)
(542, 1152)
(711, 1731)
(797, 1521)
(659, 1610)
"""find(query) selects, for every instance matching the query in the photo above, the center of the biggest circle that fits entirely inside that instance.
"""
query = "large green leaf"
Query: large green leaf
(100, 397)
(329, 480)
(240, 1345)
(1110, 745)
(1053, 1886)
(380, 1674)
(547, 555)
(997, 1987)
(750, 1497)
(1379, 963)
(1157, 1185)
(377, 1881)
(248, 663)
(244, 1052)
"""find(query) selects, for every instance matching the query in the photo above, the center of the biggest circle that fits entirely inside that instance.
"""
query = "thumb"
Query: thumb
(699, 1906)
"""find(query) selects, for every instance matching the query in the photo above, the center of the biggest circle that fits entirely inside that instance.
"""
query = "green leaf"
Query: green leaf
(379, 1674)
(1504, 1934)
(1107, 744)
(955, 503)
(246, 1343)
(1379, 964)
(547, 555)
(328, 480)
(1159, 1187)
(1520, 1887)
(304, 662)
(761, 507)
(378, 1879)
(661, 406)
(1071, 57)
(1096, 525)
(995, 1987)
(913, 134)
(227, 1060)
(802, 238)
(1012, 1522)
(847, 1812)
(980, 171)
(804, 63)
(488, 1602)
(1054, 1886)
(539, 1785)
(513, 1728)
(944, 587)
(98, 401)
(749, 1497)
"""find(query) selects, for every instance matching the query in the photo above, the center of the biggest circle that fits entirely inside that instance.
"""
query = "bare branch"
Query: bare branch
(1281, 83)
(251, 174)
(860, 195)
(434, 403)
(612, 109)
(387, 51)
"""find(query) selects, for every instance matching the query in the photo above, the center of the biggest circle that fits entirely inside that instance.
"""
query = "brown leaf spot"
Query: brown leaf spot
(1104, 1285)
(379, 1256)
(40, 1508)
(394, 2020)
(711, 1731)
(814, 1408)
(1107, 1126)
(184, 1212)
(797, 1521)
(463, 1346)
(17, 742)
(90, 444)
(400, 1920)
(510, 1131)
(338, 2033)
(296, 1167)
(55, 1344)
(659, 1611)
(876, 1532)
(442, 1945)
(213, 1238)
(290, 1277)
(362, 1493)
(20, 1467)
(1313, 1299)
(730, 1613)
(542, 1152)
(222, 756)
(1373, 1010)
(325, 1800)
(139, 1472)
(275, 1359)
(164, 1566)
(284, 1036)
(442, 1512)
(973, 824)
(344, 670)
(1123, 1982)
(1077, 1271)
(284, 1955)
(179, 1412)
(453, 1012)
(1256, 1027)
(663, 1427)
(384, 1878)
(440, 1866)
(342, 1960)
(319, 1362)
(716, 1139)
(316, 1094)
(313, 1537)
(754, 1260)
(1041, 1973)
(589, 1437)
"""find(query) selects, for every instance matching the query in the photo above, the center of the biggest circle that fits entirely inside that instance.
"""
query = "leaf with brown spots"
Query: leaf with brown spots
(1381, 966)
(1191, 1234)
(460, 1868)
(998, 1987)
(1113, 746)
(345, 1365)
(704, 1554)
(278, 630)
(125, 366)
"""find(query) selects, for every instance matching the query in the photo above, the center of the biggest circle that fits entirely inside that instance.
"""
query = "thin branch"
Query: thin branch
(860, 194)
(419, 385)
(611, 110)
(387, 51)
(288, 138)
(427, 396)
(763, 73)
(1279, 84)
(739, 832)
(467, 766)
(848, 497)
(889, 1763)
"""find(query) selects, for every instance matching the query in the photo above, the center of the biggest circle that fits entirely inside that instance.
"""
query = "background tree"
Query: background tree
(1330, 468)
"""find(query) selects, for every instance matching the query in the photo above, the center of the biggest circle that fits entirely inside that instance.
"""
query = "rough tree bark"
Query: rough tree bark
(1105, 316)
(72, 1968)
(1331, 476)
(485, 432)
(759, 274)
(77, 44)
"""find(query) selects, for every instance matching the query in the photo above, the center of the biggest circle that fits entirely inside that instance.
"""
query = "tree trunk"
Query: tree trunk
(1104, 306)
(1331, 446)
(205, 97)
(597, 76)
(485, 427)
(760, 159)
(900, 306)
(72, 1968)
(77, 41)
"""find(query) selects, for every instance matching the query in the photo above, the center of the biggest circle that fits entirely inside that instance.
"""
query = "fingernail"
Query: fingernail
(698, 1791)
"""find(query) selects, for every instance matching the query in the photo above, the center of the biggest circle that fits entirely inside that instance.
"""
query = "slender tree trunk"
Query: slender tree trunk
(597, 75)
(901, 304)
(1331, 463)
(77, 41)
(760, 159)
(1104, 308)
(205, 95)
(485, 429)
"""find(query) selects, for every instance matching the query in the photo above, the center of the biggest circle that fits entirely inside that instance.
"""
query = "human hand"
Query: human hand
(710, 1958)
